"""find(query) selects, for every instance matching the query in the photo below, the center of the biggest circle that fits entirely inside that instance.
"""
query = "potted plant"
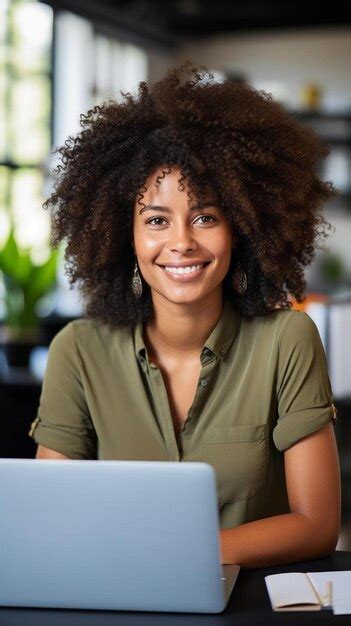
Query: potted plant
(25, 284)
(333, 269)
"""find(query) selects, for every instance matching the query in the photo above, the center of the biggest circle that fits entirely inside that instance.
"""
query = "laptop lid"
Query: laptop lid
(125, 535)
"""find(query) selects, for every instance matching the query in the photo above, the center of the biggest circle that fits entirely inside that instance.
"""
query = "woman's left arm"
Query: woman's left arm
(311, 530)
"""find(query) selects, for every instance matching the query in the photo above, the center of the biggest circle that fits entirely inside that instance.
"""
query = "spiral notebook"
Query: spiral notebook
(310, 591)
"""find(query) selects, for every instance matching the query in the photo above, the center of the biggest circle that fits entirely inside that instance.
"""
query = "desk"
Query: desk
(249, 604)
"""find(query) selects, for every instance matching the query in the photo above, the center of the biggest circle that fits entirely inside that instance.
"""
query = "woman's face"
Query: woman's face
(180, 234)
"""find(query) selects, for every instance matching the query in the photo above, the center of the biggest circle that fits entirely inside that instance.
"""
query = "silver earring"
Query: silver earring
(137, 287)
(239, 281)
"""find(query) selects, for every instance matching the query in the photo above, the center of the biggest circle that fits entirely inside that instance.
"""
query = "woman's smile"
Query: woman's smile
(184, 274)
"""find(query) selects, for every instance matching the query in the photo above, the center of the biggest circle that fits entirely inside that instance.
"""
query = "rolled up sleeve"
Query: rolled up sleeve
(304, 394)
(63, 422)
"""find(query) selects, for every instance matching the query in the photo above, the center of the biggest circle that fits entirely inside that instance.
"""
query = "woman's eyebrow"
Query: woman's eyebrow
(166, 209)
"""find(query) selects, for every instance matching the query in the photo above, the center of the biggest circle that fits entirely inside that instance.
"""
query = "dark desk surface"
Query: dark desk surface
(249, 604)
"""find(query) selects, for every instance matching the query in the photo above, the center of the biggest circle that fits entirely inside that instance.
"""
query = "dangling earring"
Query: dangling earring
(137, 287)
(239, 281)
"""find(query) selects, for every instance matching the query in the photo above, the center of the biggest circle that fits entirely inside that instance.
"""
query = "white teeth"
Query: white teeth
(184, 270)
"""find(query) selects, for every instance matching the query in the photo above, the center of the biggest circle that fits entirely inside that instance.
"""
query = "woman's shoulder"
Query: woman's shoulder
(288, 324)
(296, 324)
(85, 325)
(90, 333)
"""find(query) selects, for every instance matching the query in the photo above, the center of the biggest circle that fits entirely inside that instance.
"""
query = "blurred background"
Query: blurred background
(58, 58)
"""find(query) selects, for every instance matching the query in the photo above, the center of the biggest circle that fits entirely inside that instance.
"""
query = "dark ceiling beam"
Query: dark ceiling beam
(165, 24)
(112, 21)
(233, 16)
(229, 9)
(204, 27)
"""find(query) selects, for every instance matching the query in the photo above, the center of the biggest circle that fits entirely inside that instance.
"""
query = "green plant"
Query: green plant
(25, 284)
(332, 268)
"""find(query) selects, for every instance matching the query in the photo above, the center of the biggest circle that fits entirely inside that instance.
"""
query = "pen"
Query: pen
(326, 599)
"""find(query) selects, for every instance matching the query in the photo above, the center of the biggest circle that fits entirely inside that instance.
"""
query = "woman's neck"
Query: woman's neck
(179, 331)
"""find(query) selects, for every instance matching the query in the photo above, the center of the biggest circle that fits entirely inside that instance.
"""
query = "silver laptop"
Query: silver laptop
(116, 535)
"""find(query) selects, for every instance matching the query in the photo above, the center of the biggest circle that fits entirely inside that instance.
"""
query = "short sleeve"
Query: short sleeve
(63, 422)
(304, 394)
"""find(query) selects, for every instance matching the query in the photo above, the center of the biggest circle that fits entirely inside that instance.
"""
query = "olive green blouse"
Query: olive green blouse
(263, 385)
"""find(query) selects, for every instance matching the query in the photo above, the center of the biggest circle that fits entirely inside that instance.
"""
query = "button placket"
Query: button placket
(200, 397)
(165, 413)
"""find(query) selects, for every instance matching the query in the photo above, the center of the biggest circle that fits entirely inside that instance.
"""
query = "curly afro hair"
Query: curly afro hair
(259, 161)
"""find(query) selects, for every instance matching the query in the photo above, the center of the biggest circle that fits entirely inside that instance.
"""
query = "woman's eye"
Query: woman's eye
(153, 219)
(210, 216)
(162, 219)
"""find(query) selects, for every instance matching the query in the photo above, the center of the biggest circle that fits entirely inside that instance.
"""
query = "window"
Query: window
(54, 65)
(25, 121)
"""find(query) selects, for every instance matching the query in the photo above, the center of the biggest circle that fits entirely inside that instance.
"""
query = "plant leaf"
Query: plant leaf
(13, 263)
(42, 278)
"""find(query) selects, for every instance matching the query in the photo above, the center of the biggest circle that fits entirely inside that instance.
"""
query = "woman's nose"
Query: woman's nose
(182, 238)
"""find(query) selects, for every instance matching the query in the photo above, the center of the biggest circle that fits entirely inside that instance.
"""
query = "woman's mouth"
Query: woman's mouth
(184, 274)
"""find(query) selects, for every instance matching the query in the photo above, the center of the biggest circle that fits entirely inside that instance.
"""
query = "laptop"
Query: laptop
(111, 535)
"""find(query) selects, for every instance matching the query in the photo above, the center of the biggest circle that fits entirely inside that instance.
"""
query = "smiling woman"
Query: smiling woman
(232, 144)
(190, 212)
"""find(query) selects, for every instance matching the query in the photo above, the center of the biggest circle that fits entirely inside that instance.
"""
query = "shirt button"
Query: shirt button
(203, 382)
(142, 362)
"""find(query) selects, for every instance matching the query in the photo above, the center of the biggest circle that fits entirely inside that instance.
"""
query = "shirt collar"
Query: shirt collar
(219, 341)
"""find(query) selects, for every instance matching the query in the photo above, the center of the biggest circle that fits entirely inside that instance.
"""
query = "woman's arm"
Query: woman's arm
(47, 453)
(312, 528)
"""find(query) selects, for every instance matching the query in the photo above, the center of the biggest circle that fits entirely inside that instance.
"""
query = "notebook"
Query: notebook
(115, 535)
(310, 591)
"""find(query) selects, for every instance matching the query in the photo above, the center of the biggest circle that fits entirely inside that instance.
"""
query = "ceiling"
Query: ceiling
(168, 23)
(198, 18)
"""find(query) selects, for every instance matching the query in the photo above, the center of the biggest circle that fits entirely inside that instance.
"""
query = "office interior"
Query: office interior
(59, 58)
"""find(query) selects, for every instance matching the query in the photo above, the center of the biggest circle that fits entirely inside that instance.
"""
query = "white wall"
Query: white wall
(159, 62)
(74, 73)
(290, 58)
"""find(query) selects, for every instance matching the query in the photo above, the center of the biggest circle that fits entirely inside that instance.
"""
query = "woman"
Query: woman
(207, 363)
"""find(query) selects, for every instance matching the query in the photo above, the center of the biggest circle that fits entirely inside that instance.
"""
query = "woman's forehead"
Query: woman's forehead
(162, 187)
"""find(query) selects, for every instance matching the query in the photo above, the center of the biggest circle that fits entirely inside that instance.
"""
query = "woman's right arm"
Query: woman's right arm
(63, 428)
(46, 453)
